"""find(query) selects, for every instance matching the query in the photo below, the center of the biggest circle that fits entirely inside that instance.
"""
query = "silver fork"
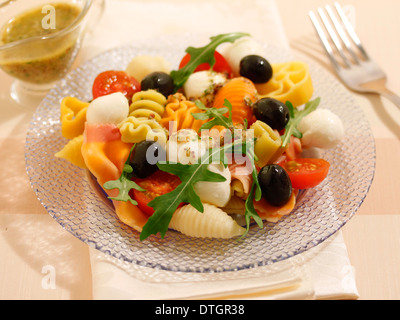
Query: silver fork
(353, 65)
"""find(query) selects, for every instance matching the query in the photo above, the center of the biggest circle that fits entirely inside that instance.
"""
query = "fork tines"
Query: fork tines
(338, 31)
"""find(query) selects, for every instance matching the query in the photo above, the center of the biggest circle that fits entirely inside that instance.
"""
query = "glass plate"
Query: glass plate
(68, 195)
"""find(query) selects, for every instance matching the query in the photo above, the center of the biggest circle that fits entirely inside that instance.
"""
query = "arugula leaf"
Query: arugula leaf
(165, 205)
(202, 55)
(218, 115)
(124, 184)
(295, 118)
(250, 211)
(255, 194)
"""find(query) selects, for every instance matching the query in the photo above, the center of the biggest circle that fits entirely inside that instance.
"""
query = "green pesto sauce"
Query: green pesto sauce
(54, 64)
(29, 24)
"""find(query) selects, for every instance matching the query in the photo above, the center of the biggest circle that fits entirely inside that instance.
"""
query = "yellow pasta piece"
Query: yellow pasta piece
(134, 130)
(72, 152)
(147, 104)
(267, 145)
(235, 205)
(73, 117)
(178, 114)
(291, 81)
(237, 189)
(212, 223)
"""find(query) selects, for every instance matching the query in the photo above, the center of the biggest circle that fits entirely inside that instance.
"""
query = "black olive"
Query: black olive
(159, 81)
(255, 68)
(272, 112)
(144, 158)
(275, 185)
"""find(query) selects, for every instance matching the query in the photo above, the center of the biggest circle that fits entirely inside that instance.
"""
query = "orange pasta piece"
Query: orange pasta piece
(178, 114)
(273, 214)
(105, 155)
(73, 117)
(241, 93)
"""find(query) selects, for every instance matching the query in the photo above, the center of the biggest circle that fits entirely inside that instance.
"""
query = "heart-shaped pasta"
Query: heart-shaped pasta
(73, 117)
(291, 81)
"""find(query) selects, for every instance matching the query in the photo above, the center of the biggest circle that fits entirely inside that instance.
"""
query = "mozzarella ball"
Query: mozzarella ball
(109, 109)
(241, 48)
(202, 84)
(141, 66)
(216, 193)
(185, 147)
(321, 129)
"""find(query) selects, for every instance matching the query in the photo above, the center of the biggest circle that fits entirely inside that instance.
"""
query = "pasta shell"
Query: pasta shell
(212, 223)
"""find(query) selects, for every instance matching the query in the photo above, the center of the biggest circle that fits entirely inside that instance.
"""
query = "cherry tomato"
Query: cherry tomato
(157, 184)
(306, 173)
(221, 65)
(115, 81)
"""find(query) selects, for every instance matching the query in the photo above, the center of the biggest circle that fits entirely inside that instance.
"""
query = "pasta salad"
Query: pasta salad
(206, 149)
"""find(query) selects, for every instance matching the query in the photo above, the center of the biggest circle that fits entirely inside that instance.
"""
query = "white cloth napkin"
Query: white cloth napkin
(323, 272)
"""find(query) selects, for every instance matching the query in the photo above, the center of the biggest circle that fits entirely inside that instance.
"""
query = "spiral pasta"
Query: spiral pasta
(147, 104)
(267, 145)
(178, 114)
(134, 130)
(212, 223)
(73, 117)
(291, 81)
(241, 93)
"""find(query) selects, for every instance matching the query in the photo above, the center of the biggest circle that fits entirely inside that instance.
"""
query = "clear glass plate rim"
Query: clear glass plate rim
(307, 246)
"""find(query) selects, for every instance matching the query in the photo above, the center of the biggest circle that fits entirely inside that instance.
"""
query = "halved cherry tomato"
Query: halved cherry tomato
(221, 65)
(306, 173)
(157, 184)
(115, 81)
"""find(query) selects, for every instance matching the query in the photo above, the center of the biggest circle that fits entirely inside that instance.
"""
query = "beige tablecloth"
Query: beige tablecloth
(40, 260)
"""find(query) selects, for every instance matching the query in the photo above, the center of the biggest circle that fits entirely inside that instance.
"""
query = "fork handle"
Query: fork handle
(379, 87)
(391, 96)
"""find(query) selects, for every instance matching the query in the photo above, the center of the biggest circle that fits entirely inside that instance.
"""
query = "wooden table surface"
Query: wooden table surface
(31, 242)
(373, 234)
